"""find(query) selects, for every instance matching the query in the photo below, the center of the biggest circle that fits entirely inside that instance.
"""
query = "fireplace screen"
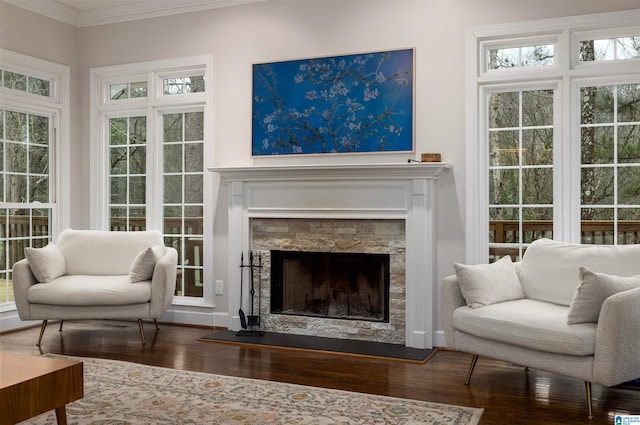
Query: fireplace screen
(330, 284)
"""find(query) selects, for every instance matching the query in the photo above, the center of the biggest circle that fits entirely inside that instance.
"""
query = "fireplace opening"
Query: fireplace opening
(330, 284)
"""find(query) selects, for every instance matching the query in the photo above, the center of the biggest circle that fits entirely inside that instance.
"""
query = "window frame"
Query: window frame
(56, 107)
(567, 72)
(153, 106)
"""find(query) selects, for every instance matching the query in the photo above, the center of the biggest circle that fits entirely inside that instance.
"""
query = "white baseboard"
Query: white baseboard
(9, 321)
(439, 339)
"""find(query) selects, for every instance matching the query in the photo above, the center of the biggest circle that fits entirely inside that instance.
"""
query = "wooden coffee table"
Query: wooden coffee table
(32, 385)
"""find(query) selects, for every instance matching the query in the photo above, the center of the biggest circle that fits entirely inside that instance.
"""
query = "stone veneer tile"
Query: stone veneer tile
(340, 235)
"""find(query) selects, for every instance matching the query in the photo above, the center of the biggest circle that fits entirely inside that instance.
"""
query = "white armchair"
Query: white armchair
(91, 274)
(568, 309)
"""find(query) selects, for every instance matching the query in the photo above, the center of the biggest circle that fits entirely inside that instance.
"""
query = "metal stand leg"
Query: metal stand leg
(44, 325)
(587, 386)
(141, 331)
(61, 322)
(155, 322)
(472, 366)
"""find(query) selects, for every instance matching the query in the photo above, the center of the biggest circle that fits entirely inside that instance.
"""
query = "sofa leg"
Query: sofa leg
(587, 386)
(141, 331)
(44, 325)
(61, 322)
(472, 366)
(155, 322)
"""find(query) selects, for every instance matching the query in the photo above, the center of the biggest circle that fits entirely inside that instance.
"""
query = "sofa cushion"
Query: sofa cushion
(86, 290)
(144, 263)
(537, 325)
(46, 263)
(486, 284)
(96, 252)
(550, 269)
(593, 290)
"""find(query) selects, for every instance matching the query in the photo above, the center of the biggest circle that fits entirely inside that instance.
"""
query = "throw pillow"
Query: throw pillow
(145, 262)
(46, 263)
(486, 284)
(593, 289)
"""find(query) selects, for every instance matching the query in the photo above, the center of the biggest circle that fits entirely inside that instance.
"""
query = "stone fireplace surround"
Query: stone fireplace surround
(334, 235)
(401, 191)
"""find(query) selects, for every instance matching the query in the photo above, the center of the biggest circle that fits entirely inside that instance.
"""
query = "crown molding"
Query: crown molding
(49, 8)
(121, 13)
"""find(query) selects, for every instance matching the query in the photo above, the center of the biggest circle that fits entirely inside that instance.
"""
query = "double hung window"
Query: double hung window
(33, 143)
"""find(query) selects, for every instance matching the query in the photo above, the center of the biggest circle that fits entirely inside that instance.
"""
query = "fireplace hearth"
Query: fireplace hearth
(337, 285)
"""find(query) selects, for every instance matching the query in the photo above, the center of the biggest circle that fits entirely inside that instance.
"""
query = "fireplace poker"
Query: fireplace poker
(253, 319)
(243, 318)
(259, 286)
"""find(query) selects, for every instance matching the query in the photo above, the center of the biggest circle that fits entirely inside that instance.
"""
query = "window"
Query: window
(153, 132)
(607, 49)
(127, 90)
(25, 83)
(520, 138)
(33, 129)
(127, 173)
(521, 56)
(610, 163)
(554, 146)
(183, 202)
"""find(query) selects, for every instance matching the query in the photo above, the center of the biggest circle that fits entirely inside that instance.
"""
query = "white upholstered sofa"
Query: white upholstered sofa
(91, 274)
(565, 308)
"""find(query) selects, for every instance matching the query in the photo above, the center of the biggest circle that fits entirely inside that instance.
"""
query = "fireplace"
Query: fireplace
(339, 201)
(306, 248)
(335, 285)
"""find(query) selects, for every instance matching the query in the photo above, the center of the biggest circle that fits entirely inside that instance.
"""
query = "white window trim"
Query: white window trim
(566, 71)
(154, 104)
(57, 107)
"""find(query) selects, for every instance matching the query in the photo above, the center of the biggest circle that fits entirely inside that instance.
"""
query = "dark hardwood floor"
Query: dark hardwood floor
(508, 394)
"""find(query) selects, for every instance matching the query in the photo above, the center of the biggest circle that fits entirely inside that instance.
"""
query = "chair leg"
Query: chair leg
(155, 322)
(472, 366)
(44, 325)
(61, 322)
(141, 331)
(587, 386)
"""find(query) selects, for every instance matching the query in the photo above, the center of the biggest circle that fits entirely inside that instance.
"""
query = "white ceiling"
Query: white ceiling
(86, 13)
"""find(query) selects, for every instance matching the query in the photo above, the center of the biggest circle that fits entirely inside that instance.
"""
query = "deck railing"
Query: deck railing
(591, 232)
(21, 231)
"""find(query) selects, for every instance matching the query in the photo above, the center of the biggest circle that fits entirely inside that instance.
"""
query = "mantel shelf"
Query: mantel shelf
(383, 171)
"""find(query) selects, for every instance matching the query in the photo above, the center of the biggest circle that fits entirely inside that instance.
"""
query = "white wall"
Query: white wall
(289, 29)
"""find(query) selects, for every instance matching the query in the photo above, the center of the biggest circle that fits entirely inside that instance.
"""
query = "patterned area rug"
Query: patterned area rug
(128, 393)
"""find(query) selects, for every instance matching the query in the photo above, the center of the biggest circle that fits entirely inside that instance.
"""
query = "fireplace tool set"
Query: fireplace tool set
(251, 323)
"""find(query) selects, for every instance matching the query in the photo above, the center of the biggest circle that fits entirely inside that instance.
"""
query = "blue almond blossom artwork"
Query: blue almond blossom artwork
(342, 104)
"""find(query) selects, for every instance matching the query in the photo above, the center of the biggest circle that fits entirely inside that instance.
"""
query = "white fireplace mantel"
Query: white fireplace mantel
(336, 191)
(334, 171)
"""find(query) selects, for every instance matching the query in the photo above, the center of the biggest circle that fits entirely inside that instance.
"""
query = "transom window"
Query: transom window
(119, 91)
(608, 49)
(520, 56)
(25, 83)
(183, 85)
